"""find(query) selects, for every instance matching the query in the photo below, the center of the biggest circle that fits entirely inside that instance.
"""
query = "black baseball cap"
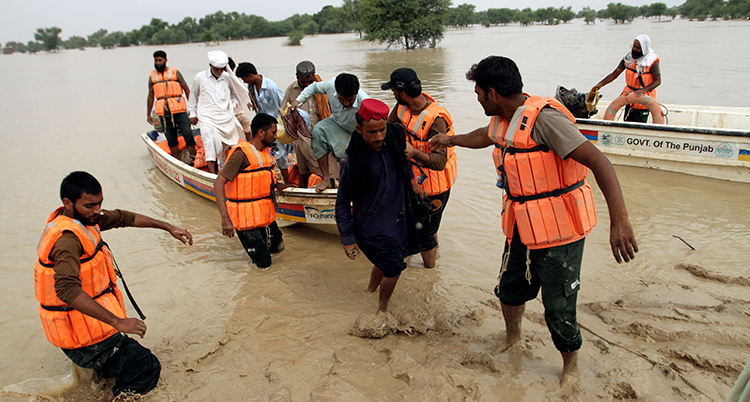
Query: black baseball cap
(401, 79)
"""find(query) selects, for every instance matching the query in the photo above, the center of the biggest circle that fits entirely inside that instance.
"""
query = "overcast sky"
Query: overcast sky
(19, 19)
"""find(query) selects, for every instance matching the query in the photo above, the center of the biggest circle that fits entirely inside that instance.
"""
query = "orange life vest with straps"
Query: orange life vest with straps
(546, 197)
(167, 90)
(417, 129)
(64, 326)
(637, 81)
(250, 197)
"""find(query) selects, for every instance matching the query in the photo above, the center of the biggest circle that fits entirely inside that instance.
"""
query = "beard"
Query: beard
(400, 102)
(88, 221)
(636, 55)
(160, 68)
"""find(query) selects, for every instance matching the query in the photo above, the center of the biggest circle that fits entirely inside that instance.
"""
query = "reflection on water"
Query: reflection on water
(430, 65)
(85, 111)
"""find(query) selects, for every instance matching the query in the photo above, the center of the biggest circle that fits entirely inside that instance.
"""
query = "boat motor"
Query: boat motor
(575, 102)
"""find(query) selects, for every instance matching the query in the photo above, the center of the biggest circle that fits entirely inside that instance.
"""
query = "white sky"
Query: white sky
(19, 19)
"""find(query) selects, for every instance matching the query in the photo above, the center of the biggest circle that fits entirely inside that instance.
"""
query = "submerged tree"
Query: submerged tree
(407, 23)
(49, 38)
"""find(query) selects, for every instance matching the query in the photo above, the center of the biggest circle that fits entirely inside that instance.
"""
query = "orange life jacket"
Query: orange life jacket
(637, 81)
(546, 197)
(417, 128)
(250, 200)
(64, 326)
(167, 89)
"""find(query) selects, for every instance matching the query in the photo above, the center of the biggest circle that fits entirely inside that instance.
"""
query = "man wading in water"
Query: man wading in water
(548, 209)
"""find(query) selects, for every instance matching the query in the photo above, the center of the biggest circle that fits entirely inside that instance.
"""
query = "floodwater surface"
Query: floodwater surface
(225, 330)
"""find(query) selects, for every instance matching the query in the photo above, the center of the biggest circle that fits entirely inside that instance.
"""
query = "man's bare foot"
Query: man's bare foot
(570, 374)
(323, 185)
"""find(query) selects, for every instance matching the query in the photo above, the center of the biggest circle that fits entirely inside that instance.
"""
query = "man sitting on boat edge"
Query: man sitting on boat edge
(244, 191)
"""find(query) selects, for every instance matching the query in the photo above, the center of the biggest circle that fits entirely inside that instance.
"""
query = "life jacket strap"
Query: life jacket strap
(555, 193)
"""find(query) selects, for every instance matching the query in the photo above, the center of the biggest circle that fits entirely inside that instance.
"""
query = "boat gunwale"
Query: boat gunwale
(666, 128)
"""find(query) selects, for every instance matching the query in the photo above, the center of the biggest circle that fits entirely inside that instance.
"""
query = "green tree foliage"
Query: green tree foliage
(94, 38)
(295, 37)
(548, 16)
(656, 10)
(350, 13)
(621, 13)
(75, 42)
(12, 47)
(32, 47)
(461, 16)
(407, 23)
(110, 40)
(588, 15)
(49, 38)
(566, 14)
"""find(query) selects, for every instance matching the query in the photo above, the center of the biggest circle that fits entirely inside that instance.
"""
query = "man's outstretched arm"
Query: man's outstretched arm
(142, 221)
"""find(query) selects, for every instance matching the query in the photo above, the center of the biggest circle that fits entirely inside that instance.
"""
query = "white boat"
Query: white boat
(301, 205)
(698, 140)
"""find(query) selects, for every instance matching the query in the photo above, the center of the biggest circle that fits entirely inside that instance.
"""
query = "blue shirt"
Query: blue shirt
(269, 97)
(344, 117)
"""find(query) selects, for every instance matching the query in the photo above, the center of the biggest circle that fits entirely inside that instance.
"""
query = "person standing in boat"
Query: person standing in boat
(266, 97)
(216, 94)
(642, 76)
(318, 108)
(373, 208)
(244, 191)
(80, 304)
(542, 161)
(332, 135)
(166, 85)
(424, 118)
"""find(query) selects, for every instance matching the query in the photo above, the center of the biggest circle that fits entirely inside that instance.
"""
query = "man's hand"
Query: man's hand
(293, 105)
(439, 140)
(352, 251)
(150, 120)
(193, 120)
(131, 326)
(282, 186)
(418, 190)
(640, 92)
(227, 228)
(410, 151)
(622, 240)
(181, 234)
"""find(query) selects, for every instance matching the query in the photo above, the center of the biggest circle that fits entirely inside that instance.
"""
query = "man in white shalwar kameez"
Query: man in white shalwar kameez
(215, 94)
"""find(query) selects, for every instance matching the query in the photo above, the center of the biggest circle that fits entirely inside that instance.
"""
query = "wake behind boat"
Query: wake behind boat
(300, 205)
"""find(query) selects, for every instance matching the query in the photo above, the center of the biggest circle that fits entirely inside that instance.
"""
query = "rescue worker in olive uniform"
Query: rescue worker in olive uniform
(244, 191)
(548, 208)
(80, 304)
(423, 118)
(166, 86)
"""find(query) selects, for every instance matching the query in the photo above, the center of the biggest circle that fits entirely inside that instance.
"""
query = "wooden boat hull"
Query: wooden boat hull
(719, 148)
(295, 205)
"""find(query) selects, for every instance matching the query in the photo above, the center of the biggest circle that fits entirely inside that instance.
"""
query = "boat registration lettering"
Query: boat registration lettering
(706, 149)
(169, 171)
(315, 215)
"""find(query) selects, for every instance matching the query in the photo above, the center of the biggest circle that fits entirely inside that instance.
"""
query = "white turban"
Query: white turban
(218, 59)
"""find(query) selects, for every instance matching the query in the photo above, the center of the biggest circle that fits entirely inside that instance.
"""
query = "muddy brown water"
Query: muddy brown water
(224, 330)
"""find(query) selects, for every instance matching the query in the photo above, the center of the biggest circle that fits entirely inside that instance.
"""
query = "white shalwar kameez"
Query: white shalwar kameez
(213, 101)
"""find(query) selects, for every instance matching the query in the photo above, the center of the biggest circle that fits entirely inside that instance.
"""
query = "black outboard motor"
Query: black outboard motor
(574, 101)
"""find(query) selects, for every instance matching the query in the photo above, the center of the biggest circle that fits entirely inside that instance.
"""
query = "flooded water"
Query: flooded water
(224, 330)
